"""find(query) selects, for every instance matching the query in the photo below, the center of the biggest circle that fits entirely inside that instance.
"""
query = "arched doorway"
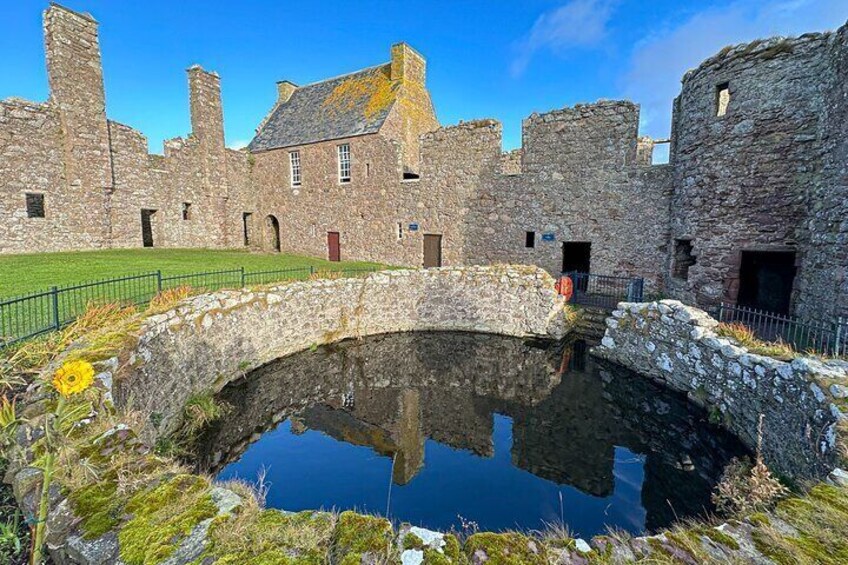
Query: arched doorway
(272, 233)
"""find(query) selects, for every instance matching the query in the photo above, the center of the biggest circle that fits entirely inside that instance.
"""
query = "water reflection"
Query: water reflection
(500, 431)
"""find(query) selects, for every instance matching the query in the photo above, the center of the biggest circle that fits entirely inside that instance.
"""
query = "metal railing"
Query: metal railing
(827, 338)
(604, 291)
(31, 315)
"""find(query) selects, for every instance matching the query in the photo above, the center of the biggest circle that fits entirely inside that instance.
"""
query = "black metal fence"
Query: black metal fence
(828, 338)
(604, 291)
(38, 313)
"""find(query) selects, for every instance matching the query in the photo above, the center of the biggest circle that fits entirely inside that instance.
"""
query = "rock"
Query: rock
(839, 391)
(191, 547)
(101, 551)
(412, 557)
(839, 477)
(581, 545)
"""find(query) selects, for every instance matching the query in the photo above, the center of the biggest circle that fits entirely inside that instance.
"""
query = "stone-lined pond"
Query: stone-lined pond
(441, 429)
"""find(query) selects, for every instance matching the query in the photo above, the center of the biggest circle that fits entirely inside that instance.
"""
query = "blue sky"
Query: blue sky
(486, 58)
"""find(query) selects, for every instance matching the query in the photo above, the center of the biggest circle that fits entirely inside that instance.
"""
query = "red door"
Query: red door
(333, 246)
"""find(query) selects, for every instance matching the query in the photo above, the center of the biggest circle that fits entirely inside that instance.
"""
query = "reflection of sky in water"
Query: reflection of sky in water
(313, 470)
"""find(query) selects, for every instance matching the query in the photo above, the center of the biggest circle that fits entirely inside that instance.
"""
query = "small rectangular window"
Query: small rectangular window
(344, 163)
(294, 159)
(35, 205)
(367, 170)
(530, 239)
(683, 258)
(722, 99)
(186, 210)
(245, 221)
(400, 230)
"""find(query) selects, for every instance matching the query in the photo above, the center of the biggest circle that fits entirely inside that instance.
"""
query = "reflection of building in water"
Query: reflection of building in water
(393, 392)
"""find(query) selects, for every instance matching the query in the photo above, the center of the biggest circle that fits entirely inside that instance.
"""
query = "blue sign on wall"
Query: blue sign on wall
(413, 227)
(548, 237)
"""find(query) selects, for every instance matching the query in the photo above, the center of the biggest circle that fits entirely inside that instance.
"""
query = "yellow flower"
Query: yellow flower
(73, 377)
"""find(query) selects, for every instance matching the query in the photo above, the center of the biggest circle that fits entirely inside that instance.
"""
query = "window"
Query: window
(683, 258)
(400, 231)
(294, 158)
(35, 205)
(186, 210)
(344, 163)
(530, 239)
(722, 99)
(367, 170)
(245, 222)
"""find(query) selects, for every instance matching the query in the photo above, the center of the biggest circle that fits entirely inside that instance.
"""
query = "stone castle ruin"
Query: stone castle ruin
(751, 208)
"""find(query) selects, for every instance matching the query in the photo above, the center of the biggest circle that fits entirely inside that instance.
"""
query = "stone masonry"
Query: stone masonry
(757, 171)
(677, 346)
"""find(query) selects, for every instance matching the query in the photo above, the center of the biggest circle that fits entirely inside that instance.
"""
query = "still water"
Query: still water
(437, 429)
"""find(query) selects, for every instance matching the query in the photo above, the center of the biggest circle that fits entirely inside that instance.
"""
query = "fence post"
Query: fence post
(242, 277)
(54, 299)
(158, 281)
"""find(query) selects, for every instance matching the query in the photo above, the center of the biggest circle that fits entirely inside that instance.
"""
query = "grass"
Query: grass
(22, 274)
(745, 337)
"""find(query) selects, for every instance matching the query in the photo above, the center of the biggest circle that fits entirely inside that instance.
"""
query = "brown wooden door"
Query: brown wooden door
(432, 250)
(334, 246)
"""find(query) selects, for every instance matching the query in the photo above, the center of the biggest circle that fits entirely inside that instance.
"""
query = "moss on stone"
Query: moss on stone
(162, 517)
(719, 537)
(357, 534)
(759, 519)
(411, 541)
(510, 548)
(98, 507)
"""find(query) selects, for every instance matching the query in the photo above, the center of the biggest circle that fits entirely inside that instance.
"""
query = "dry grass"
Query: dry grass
(745, 337)
(167, 299)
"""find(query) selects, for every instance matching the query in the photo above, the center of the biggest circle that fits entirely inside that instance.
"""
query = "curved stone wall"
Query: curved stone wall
(208, 340)
(799, 400)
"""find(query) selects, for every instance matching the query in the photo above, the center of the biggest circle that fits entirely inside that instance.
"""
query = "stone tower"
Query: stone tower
(75, 76)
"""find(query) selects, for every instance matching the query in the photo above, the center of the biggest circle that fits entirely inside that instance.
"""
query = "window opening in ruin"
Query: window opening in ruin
(766, 279)
(147, 227)
(683, 258)
(34, 205)
(344, 162)
(367, 170)
(245, 223)
(530, 239)
(294, 159)
(409, 175)
(400, 230)
(722, 100)
(186, 210)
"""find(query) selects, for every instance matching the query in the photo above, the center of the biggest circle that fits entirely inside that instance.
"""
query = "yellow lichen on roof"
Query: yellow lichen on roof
(376, 89)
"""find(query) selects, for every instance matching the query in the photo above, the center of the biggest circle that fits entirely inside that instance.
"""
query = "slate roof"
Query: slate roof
(350, 105)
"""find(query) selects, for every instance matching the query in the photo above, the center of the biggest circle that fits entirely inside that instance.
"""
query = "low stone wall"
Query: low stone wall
(798, 400)
(211, 339)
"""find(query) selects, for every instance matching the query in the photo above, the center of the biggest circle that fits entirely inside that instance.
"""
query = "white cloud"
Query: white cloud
(659, 61)
(239, 144)
(578, 24)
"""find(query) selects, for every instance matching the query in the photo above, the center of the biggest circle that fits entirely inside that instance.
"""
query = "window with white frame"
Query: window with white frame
(294, 159)
(344, 163)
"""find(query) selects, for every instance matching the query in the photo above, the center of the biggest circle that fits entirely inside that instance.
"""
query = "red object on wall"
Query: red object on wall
(565, 287)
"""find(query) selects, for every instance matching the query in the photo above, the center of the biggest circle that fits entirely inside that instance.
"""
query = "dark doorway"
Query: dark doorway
(432, 250)
(147, 227)
(334, 246)
(765, 280)
(272, 233)
(576, 256)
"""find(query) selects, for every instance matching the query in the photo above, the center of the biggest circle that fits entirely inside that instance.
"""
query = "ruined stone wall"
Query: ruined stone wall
(214, 338)
(742, 179)
(59, 149)
(677, 346)
(580, 181)
(823, 281)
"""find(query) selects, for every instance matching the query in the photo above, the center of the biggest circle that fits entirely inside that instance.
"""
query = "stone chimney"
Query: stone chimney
(285, 89)
(407, 64)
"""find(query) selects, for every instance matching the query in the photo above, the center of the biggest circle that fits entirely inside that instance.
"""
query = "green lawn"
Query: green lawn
(21, 274)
